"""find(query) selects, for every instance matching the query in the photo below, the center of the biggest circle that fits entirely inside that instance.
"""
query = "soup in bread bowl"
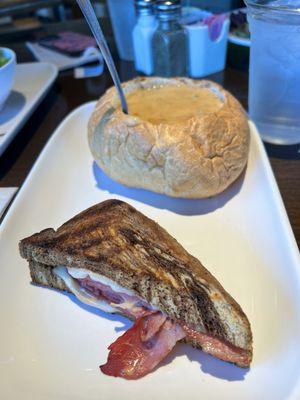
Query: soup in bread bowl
(182, 137)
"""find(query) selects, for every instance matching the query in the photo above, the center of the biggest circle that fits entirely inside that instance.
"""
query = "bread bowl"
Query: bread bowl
(195, 156)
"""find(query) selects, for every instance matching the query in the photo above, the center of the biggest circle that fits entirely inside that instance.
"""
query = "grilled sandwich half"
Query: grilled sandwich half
(113, 257)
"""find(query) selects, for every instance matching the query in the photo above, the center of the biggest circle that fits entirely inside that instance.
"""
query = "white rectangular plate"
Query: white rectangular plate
(32, 82)
(6, 194)
(51, 346)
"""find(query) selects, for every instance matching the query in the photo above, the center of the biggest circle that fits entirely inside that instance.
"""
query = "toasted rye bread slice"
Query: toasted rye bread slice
(115, 240)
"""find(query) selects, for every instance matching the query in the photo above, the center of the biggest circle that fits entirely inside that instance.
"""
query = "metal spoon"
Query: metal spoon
(90, 16)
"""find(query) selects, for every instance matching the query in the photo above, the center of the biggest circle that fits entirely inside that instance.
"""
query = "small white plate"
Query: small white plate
(51, 345)
(62, 61)
(32, 82)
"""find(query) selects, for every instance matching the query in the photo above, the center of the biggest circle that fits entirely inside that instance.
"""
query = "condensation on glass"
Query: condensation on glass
(274, 74)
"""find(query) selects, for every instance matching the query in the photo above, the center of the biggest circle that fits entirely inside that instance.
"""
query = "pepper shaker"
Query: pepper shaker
(169, 41)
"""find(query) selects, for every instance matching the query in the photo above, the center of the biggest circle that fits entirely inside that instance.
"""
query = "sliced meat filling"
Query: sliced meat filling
(153, 335)
(142, 347)
(217, 348)
(131, 306)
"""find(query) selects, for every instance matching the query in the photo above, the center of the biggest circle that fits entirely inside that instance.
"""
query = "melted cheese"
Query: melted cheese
(69, 276)
(80, 273)
(80, 293)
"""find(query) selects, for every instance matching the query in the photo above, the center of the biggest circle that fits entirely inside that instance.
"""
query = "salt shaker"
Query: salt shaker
(169, 41)
(142, 36)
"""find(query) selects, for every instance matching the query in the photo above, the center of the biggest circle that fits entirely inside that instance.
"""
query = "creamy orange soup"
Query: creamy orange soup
(172, 104)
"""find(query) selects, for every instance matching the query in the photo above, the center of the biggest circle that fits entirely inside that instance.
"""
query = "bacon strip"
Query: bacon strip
(151, 325)
(152, 337)
(135, 354)
(217, 348)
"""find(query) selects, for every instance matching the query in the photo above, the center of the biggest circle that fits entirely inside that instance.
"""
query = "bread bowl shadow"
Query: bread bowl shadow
(176, 205)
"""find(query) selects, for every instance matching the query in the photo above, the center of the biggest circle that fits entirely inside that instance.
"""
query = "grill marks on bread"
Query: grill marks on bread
(178, 275)
(117, 241)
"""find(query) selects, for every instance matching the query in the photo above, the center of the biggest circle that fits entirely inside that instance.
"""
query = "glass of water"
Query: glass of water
(274, 75)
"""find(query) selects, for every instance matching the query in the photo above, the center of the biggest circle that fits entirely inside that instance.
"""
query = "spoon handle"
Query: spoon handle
(90, 16)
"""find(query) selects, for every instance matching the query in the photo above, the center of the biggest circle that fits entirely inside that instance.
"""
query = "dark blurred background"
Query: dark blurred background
(19, 17)
(30, 20)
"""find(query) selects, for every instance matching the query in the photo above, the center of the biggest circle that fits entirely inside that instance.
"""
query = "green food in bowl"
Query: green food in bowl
(3, 59)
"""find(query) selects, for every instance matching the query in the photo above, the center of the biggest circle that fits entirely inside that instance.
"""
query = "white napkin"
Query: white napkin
(63, 61)
(6, 194)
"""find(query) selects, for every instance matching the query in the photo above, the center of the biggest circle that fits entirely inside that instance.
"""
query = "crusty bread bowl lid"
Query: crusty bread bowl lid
(158, 82)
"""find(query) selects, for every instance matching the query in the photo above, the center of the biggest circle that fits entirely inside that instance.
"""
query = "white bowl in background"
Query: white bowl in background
(7, 74)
